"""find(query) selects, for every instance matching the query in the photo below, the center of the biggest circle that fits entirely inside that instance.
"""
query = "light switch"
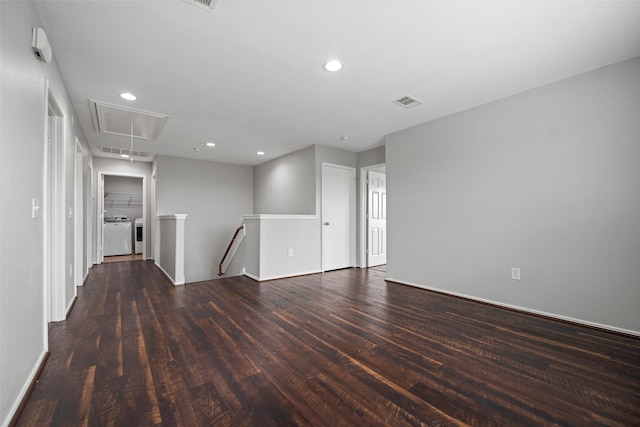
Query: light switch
(35, 209)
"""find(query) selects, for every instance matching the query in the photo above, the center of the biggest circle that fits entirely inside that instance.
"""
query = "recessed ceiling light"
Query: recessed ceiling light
(128, 96)
(126, 156)
(196, 149)
(260, 153)
(332, 65)
(210, 144)
(344, 138)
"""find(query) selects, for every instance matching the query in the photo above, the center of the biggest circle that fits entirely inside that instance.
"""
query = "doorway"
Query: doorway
(338, 217)
(372, 240)
(122, 209)
(54, 215)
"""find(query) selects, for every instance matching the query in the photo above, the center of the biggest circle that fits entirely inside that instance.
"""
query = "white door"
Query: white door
(377, 219)
(338, 217)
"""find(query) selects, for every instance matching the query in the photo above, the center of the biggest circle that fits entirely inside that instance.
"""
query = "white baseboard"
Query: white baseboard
(522, 309)
(168, 275)
(24, 389)
(288, 276)
(70, 306)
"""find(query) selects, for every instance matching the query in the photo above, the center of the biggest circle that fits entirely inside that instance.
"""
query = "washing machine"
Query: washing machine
(117, 237)
(139, 235)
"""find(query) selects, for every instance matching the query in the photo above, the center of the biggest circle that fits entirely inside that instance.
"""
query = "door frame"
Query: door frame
(353, 227)
(78, 212)
(363, 241)
(100, 212)
(54, 249)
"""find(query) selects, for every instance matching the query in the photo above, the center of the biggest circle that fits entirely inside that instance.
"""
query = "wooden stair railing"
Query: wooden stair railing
(233, 239)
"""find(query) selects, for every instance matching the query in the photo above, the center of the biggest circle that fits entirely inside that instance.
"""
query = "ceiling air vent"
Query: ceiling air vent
(408, 101)
(119, 151)
(117, 120)
(203, 4)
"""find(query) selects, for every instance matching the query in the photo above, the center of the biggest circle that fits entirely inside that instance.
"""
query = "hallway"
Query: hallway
(340, 348)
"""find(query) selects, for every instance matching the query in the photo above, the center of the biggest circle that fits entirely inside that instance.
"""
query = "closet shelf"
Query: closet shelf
(122, 200)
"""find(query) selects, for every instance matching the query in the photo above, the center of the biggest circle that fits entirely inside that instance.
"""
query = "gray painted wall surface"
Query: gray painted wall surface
(23, 333)
(214, 195)
(371, 157)
(286, 185)
(547, 181)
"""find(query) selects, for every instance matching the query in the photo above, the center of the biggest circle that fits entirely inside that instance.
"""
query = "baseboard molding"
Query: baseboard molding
(265, 279)
(168, 275)
(526, 310)
(70, 306)
(25, 393)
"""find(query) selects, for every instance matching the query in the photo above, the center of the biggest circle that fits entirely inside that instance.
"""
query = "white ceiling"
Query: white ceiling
(248, 75)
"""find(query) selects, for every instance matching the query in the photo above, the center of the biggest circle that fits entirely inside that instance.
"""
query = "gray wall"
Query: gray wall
(286, 185)
(23, 106)
(214, 195)
(547, 181)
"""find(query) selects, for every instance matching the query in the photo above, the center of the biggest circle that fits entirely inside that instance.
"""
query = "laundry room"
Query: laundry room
(123, 207)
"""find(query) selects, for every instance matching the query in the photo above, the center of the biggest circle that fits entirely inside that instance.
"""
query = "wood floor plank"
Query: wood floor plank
(339, 348)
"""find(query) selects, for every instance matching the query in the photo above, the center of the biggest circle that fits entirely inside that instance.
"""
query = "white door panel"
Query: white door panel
(377, 219)
(338, 216)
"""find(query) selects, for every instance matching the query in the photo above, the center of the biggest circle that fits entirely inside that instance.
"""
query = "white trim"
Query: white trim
(78, 214)
(264, 279)
(251, 276)
(55, 210)
(23, 391)
(69, 306)
(100, 217)
(522, 309)
(322, 221)
(173, 216)
(168, 275)
(362, 213)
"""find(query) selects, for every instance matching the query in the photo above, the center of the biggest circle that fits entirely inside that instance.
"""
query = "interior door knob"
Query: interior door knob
(326, 223)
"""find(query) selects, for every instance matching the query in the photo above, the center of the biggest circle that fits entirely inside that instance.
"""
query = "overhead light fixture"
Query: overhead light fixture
(125, 155)
(332, 65)
(260, 153)
(210, 144)
(196, 149)
(128, 96)
(344, 138)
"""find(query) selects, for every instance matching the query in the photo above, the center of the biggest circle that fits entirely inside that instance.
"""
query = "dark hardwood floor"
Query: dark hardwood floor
(341, 348)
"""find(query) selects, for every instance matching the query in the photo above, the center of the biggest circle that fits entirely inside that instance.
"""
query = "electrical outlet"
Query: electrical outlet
(515, 273)
(290, 252)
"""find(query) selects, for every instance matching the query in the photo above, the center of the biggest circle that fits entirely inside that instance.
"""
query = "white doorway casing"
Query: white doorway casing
(338, 216)
(54, 212)
(101, 209)
(363, 189)
(376, 218)
(78, 215)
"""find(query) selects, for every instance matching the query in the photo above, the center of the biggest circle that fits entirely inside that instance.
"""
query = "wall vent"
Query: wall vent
(119, 151)
(203, 4)
(408, 101)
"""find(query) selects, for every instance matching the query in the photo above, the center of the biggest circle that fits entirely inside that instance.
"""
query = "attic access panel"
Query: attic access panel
(118, 120)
